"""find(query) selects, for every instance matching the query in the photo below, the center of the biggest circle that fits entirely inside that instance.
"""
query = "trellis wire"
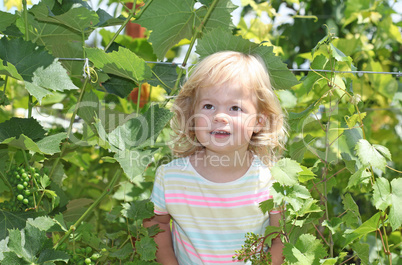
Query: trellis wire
(398, 74)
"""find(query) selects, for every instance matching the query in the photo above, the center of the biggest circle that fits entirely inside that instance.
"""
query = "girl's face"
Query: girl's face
(225, 118)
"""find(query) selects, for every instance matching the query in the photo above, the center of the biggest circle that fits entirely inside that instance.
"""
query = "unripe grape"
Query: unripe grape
(25, 201)
(25, 184)
(27, 192)
(24, 175)
(88, 250)
(20, 187)
(20, 197)
(88, 261)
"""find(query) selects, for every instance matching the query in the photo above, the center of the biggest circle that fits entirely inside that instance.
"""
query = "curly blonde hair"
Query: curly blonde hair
(219, 68)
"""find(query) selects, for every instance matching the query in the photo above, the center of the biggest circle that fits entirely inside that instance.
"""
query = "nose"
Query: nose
(221, 117)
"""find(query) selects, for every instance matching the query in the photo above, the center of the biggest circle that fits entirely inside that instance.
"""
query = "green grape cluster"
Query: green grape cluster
(81, 255)
(21, 180)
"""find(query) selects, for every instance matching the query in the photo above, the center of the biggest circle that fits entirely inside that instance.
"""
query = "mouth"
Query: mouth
(220, 133)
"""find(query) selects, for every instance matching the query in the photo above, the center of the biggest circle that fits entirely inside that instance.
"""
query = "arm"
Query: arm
(276, 249)
(165, 253)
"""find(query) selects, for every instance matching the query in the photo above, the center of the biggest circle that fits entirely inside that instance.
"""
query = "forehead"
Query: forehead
(226, 92)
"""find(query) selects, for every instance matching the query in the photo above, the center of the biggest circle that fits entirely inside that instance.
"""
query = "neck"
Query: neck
(231, 161)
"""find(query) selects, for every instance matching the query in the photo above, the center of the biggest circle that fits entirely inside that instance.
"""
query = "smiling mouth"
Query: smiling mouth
(220, 133)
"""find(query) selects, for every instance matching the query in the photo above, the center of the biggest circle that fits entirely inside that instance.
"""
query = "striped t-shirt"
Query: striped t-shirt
(210, 219)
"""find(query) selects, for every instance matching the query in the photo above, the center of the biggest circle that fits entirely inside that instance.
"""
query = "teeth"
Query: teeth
(220, 132)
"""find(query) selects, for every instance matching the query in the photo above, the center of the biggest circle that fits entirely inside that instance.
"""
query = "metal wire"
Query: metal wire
(398, 74)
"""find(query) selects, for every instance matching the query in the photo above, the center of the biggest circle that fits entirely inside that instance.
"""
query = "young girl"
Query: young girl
(229, 128)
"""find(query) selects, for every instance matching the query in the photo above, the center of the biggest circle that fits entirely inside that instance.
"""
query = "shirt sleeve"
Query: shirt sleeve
(158, 193)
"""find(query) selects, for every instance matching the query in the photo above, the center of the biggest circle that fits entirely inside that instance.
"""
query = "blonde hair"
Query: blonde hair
(219, 68)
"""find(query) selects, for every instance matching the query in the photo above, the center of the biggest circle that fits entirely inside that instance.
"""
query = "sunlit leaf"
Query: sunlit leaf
(370, 155)
(170, 21)
(308, 250)
(286, 171)
(123, 63)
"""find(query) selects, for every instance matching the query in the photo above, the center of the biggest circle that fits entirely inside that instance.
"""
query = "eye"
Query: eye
(235, 108)
(208, 106)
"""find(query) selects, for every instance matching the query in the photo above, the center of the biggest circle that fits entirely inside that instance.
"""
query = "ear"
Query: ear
(260, 123)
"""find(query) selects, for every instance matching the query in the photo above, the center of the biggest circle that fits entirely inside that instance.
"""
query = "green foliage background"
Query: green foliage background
(97, 150)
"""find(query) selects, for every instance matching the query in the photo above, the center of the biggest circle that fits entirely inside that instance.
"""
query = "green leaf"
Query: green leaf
(9, 69)
(359, 177)
(50, 255)
(107, 20)
(220, 16)
(367, 227)
(329, 261)
(319, 62)
(381, 194)
(134, 162)
(333, 224)
(146, 247)
(28, 243)
(306, 174)
(355, 118)
(370, 155)
(362, 251)
(395, 214)
(52, 78)
(166, 76)
(51, 144)
(25, 56)
(119, 86)
(307, 251)
(295, 195)
(123, 63)
(123, 252)
(138, 210)
(6, 20)
(385, 195)
(298, 148)
(221, 40)
(267, 206)
(352, 217)
(43, 223)
(15, 127)
(10, 258)
(297, 120)
(285, 171)
(13, 220)
(142, 130)
(77, 18)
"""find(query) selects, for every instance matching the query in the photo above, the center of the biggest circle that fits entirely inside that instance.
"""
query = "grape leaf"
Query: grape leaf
(308, 250)
(359, 177)
(146, 247)
(372, 154)
(6, 20)
(285, 171)
(170, 21)
(385, 195)
(123, 63)
(134, 162)
(367, 227)
(25, 56)
(123, 252)
(295, 195)
(138, 210)
(363, 251)
(9, 69)
(15, 127)
(219, 17)
(52, 78)
(14, 220)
